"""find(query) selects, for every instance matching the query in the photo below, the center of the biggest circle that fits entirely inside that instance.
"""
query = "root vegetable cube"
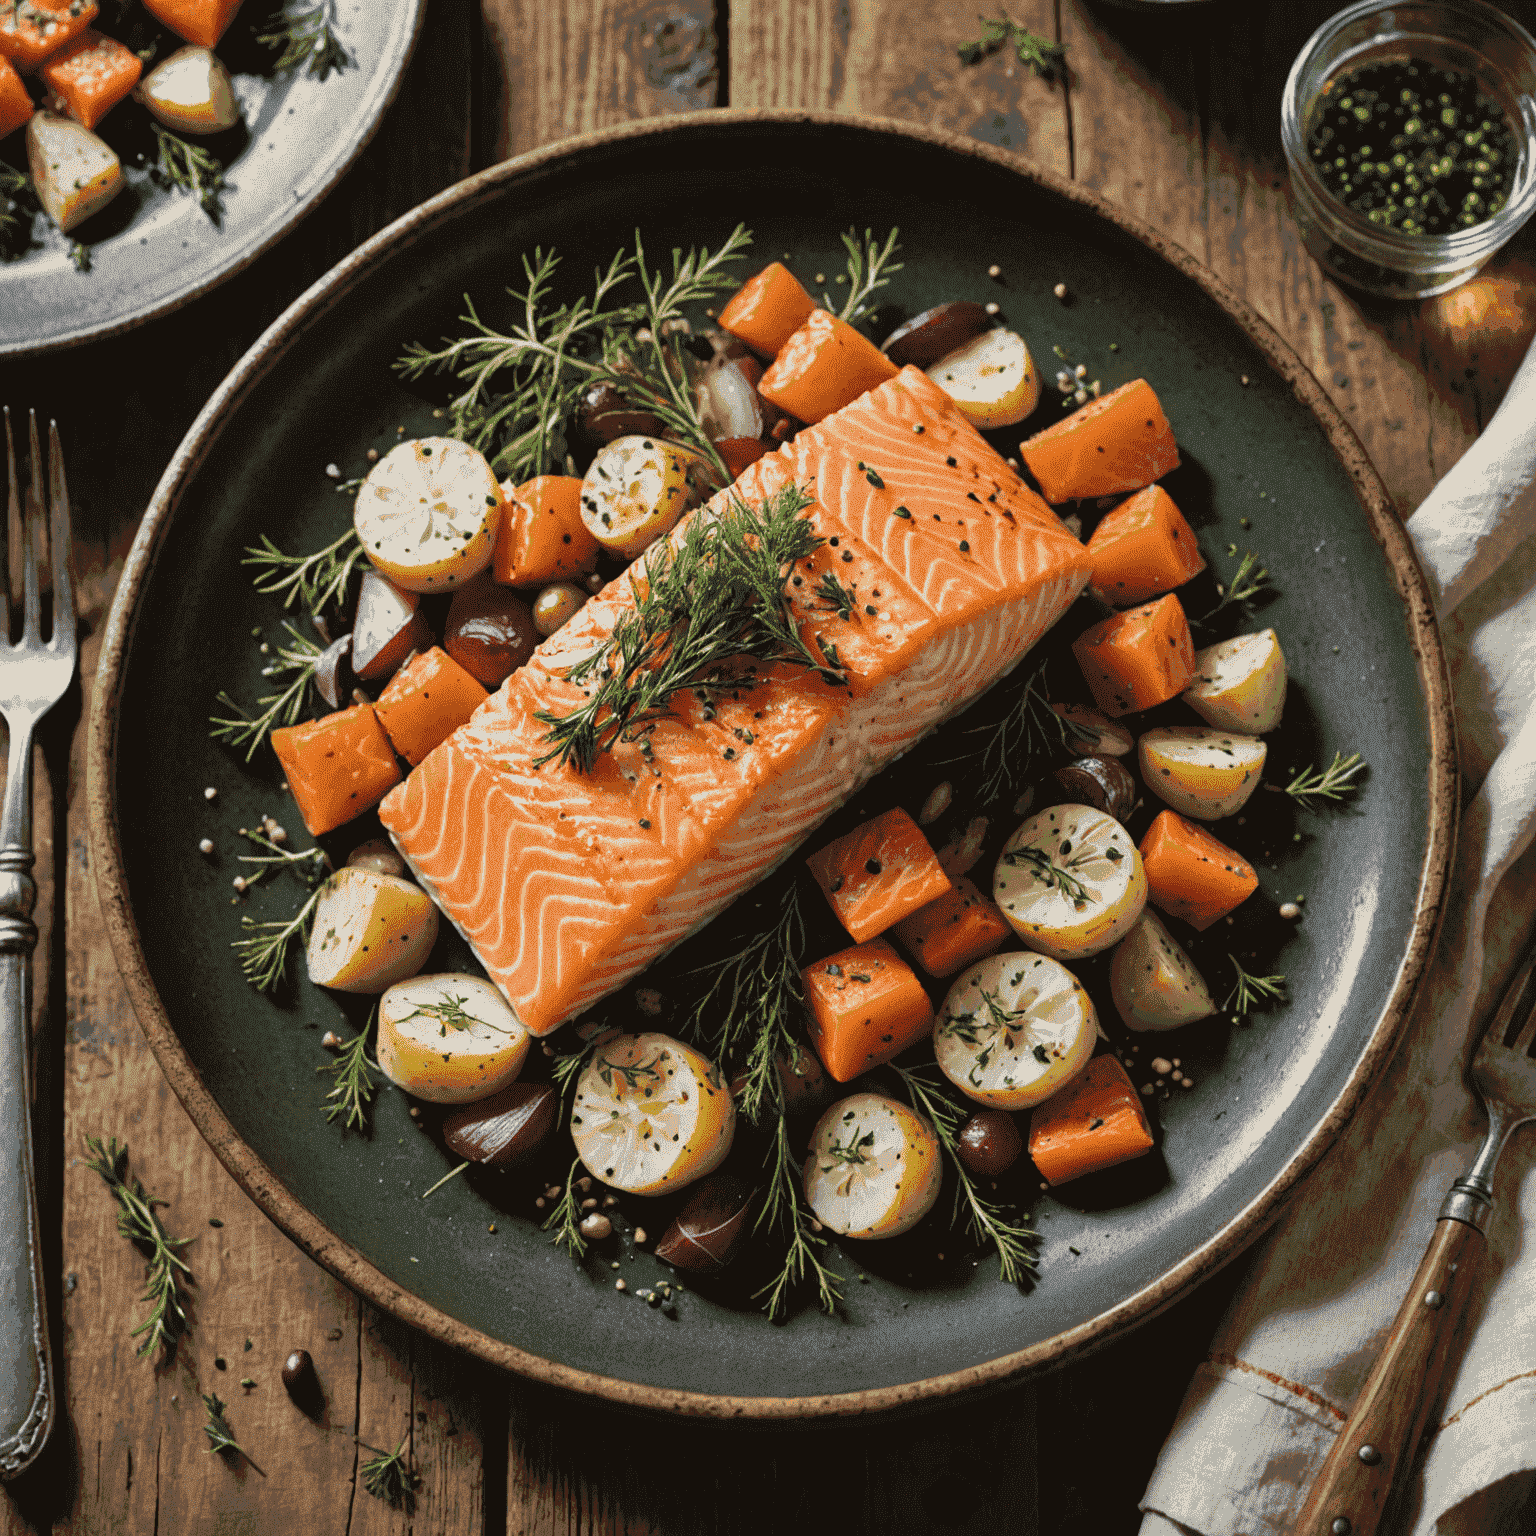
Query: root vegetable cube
(199, 21)
(824, 366)
(15, 104)
(542, 537)
(878, 874)
(91, 75)
(767, 309)
(961, 927)
(1139, 658)
(1192, 875)
(866, 1005)
(1143, 548)
(1095, 1122)
(32, 29)
(1119, 442)
(337, 767)
(426, 701)
(370, 931)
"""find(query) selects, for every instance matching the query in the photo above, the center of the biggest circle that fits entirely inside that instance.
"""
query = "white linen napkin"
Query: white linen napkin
(1292, 1352)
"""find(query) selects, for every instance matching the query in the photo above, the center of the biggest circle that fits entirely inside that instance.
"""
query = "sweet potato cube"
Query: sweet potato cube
(866, 1006)
(962, 926)
(1119, 442)
(202, 22)
(824, 366)
(542, 537)
(426, 701)
(91, 75)
(1138, 658)
(337, 767)
(32, 29)
(1095, 1122)
(767, 309)
(16, 105)
(1192, 875)
(878, 874)
(1143, 548)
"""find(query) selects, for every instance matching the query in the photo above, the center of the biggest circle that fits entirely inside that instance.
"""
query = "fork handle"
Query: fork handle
(1378, 1444)
(26, 1378)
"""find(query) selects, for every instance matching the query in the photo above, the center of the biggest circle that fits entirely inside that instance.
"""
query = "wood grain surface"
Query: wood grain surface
(1173, 118)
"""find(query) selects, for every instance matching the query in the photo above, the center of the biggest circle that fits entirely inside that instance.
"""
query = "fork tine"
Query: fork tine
(32, 610)
(1516, 995)
(13, 530)
(59, 544)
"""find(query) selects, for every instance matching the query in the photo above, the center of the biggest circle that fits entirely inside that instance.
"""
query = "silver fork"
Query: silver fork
(34, 674)
(1378, 1445)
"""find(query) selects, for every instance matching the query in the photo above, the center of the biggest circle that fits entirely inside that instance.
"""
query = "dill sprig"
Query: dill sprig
(871, 266)
(308, 38)
(985, 1219)
(221, 1437)
(1034, 52)
(310, 864)
(1251, 991)
(1247, 582)
(191, 168)
(316, 580)
(1050, 873)
(565, 1219)
(352, 1093)
(139, 1222)
(717, 596)
(17, 200)
(388, 1475)
(836, 596)
(1333, 783)
(1030, 729)
(294, 666)
(265, 952)
(784, 1211)
(567, 1067)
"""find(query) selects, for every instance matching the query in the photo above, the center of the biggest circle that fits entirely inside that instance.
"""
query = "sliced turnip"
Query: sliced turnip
(74, 173)
(1240, 683)
(992, 379)
(1202, 773)
(1153, 982)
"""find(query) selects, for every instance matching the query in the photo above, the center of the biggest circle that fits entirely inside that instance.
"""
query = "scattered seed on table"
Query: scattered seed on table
(994, 270)
(205, 845)
(1290, 911)
(1060, 290)
(210, 793)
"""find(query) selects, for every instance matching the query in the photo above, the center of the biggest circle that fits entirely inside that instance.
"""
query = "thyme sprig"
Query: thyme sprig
(1251, 991)
(1034, 52)
(784, 1211)
(717, 596)
(985, 1219)
(221, 1437)
(294, 666)
(138, 1220)
(851, 1155)
(306, 38)
(1247, 582)
(1333, 783)
(388, 1475)
(316, 580)
(310, 864)
(192, 168)
(450, 1013)
(17, 199)
(871, 266)
(565, 1218)
(1051, 873)
(265, 951)
(351, 1095)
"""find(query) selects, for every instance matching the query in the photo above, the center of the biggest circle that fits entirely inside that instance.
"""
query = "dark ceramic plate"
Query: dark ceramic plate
(152, 248)
(1270, 1097)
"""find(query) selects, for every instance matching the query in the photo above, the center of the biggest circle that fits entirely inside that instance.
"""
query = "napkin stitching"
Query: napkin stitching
(1295, 1387)
(1471, 1403)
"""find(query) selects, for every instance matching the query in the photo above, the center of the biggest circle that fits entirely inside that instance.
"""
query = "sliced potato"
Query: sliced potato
(1014, 1029)
(1070, 881)
(74, 173)
(370, 930)
(1090, 732)
(1200, 772)
(449, 1038)
(388, 627)
(651, 1114)
(1240, 683)
(1153, 982)
(991, 378)
(428, 513)
(636, 490)
(875, 1167)
(190, 92)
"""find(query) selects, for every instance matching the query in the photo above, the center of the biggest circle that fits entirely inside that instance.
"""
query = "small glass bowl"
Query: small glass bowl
(1466, 35)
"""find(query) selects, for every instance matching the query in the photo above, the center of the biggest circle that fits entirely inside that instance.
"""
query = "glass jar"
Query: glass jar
(1466, 35)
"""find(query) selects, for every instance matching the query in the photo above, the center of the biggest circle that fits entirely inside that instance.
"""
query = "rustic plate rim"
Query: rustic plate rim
(351, 1267)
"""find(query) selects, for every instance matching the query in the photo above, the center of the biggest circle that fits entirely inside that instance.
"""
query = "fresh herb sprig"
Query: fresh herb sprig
(307, 38)
(388, 1475)
(565, 1219)
(351, 1096)
(1034, 52)
(1251, 991)
(985, 1219)
(1050, 873)
(192, 168)
(1011, 746)
(871, 266)
(1333, 783)
(221, 1437)
(784, 1212)
(1248, 581)
(18, 202)
(310, 864)
(450, 1013)
(293, 665)
(836, 596)
(266, 949)
(316, 580)
(716, 597)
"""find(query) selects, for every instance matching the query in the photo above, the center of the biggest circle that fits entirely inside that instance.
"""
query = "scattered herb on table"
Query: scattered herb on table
(871, 266)
(1029, 729)
(784, 1212)
(265, 951)
(1248, 581)
(293, 666)
(310, 864)
(388, 1475)
(17, 201)
(139, 1221)
(220, 1436)
(1034, 52)
(317, 580)
(1333, 783)
(191, 168)
(1251, 991)
(352, 1093)
(306, 38)
(565, 1219)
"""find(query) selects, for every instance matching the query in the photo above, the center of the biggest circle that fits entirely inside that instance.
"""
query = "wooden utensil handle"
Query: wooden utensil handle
(1377, 1446)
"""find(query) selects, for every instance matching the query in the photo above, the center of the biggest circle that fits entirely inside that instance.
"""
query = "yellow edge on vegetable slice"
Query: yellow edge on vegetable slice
(874, 1168)
(449, 1038)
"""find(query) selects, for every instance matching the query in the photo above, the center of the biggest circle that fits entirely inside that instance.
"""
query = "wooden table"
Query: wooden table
(1175, 118)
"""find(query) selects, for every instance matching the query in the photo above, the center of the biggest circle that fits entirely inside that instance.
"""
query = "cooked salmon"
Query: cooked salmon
(568, 884)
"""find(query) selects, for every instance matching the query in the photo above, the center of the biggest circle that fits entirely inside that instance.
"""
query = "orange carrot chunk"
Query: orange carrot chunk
(32, 29)
(1138, 658)
(738, 452)
(866, 1006)
(768, 309)
(1143, 548)
(1119, 442)
(1095, 1122)
(824, 366)
(878, 874)
(1191, 874)
(91, 75)
(199, 21)
(426, 701)
(337, 767)
(542, 537)
(949, 934)
(16, 105)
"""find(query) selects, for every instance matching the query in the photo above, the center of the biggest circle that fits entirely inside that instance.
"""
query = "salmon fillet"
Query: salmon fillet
(567, 884)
